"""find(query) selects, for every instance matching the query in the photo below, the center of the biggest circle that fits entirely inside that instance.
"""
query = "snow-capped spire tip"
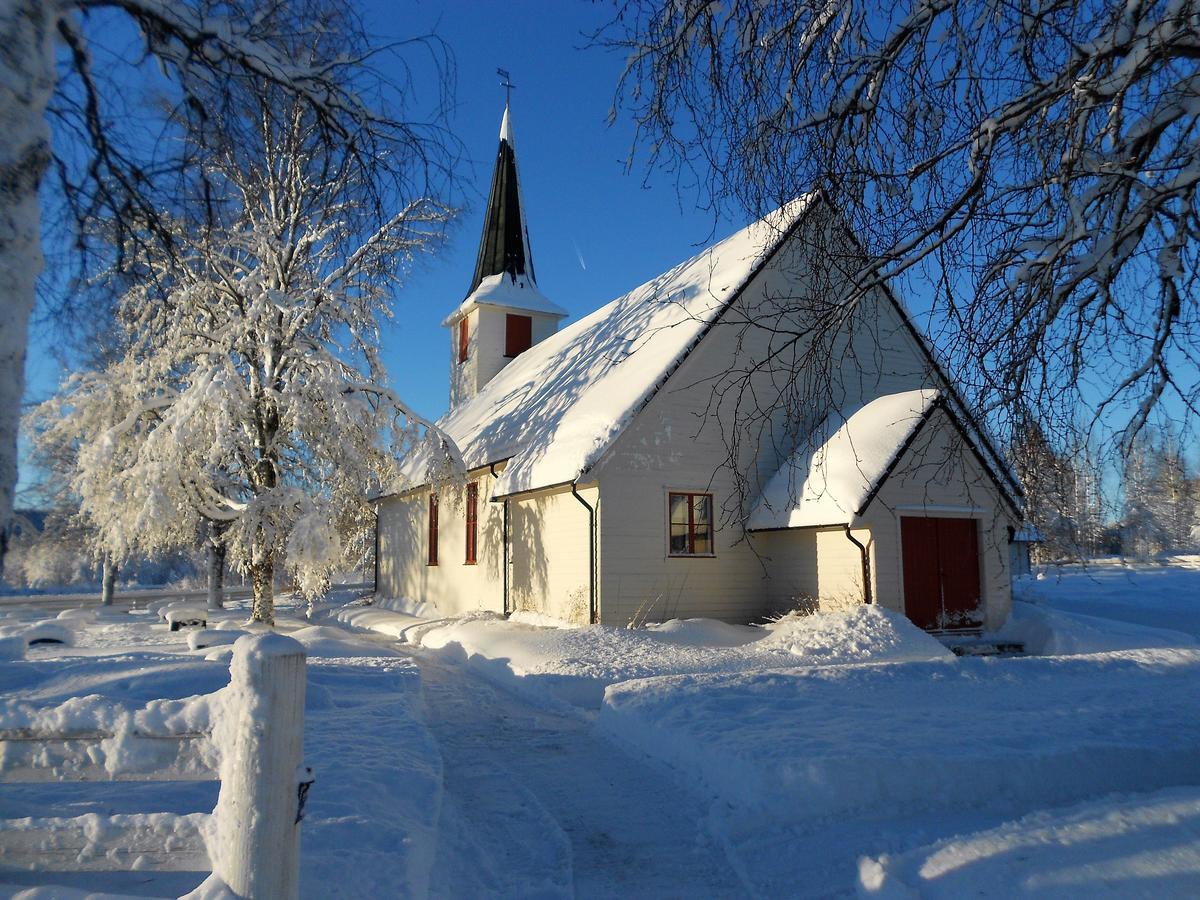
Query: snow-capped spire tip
(505, 130)
(504, 246)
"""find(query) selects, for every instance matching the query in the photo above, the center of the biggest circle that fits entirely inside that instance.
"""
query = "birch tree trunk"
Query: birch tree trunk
(26, 81)
(262, 574)
(108, 581)
(216, 566)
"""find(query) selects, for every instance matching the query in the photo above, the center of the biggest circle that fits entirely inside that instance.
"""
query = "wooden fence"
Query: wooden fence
(253, 746)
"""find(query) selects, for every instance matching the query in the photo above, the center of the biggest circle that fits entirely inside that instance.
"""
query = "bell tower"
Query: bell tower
(504, 313)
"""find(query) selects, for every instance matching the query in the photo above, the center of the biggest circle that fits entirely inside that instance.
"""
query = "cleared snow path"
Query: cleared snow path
(538, 804)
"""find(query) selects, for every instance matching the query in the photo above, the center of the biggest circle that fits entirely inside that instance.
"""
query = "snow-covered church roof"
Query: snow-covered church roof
(830, 478)
(557, 407)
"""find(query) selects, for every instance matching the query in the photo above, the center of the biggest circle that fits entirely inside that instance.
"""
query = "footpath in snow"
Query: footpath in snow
(538, 805)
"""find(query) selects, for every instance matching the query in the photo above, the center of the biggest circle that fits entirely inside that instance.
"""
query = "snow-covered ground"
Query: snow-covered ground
(818, 756)
(370, 819)
(1147, 845)
(1159, 594)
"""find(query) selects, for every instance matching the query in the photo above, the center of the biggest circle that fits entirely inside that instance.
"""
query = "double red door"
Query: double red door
(941, 572)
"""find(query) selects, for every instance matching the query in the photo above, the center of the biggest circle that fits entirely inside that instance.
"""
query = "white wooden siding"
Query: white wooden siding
(548, 552)
(452, 585)
(792, 560)
(485, 348)
(549, 537)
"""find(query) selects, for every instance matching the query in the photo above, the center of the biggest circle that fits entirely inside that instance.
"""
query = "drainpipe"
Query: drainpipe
(866, 564)
(376, 591)
(591, 553)
(504, 544)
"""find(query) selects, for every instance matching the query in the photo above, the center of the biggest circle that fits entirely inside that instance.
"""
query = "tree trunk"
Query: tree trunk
(108, 581)
(263, 576)
(26, 81)
(216, 566)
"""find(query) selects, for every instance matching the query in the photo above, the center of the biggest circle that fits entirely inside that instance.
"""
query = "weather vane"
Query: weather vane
(506, 84)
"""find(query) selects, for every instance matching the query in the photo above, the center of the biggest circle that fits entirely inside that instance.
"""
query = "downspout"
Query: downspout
(504, 544)
(866, 564)
(591, 552)
(376, 591)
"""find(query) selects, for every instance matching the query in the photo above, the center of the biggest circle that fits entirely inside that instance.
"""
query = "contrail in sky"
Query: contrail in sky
(582, 264)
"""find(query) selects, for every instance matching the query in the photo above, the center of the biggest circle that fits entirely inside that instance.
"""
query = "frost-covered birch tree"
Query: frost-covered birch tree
(1035, 161)
(61, 104)
(252, 395)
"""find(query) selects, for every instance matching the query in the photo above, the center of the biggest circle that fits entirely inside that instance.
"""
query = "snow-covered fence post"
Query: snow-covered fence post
(260, 733)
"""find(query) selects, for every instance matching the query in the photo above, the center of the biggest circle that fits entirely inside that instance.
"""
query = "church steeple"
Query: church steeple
(504, 246)
(504, 313)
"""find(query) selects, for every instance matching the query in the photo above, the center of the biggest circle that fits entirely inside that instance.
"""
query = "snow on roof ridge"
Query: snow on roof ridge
(827, 480)
(554, 409)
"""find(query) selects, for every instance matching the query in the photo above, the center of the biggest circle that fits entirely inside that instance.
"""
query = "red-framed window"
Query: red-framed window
(691, 523)
(472, 521)
(518, 334)
(433, 529)
(463, 334)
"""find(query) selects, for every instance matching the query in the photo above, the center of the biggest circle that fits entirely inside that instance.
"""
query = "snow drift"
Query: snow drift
(806, 744)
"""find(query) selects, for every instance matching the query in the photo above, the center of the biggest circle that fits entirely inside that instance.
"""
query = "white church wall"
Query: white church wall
(549, 538)
(453, 585)
(792, 558)
(489, 347)
(464, 375)
(486, 330)
(839, 568)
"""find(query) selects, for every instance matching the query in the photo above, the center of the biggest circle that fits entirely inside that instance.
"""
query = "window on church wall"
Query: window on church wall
(433, 529)
(462, 339)
(518, 334)
(691, 524)
(472, 521)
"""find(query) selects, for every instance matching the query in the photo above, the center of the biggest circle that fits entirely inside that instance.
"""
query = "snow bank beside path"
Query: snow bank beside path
(863, 634)
(577, 664)
(890, 740)
(1143, 846)
(1050, 632)
(387, 616)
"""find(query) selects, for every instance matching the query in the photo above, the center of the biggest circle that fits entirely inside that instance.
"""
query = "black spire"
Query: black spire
(504, 246)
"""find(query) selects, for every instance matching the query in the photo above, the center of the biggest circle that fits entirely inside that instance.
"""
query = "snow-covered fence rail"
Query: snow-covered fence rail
(139, 598)
(249, 736)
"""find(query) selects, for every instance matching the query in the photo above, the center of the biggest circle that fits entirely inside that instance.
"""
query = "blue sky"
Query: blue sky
(596, 231)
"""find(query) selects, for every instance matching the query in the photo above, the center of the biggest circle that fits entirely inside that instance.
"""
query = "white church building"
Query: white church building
(725, 441)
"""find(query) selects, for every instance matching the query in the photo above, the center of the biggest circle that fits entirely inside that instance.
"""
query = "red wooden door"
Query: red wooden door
(958, 553)
(941, 572)
(922, 578)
